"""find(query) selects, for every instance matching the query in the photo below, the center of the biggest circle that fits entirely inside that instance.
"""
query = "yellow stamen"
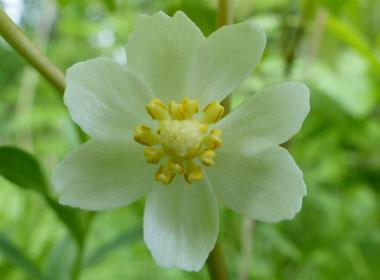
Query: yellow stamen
(193, 172)
(208, 157)
(157, 110)
(190, 107)
(202, 127)
(153, 155)
(166, 172)
(212, 141)
(212, 113)
(176, 111)
(144, 136)
(184, 110)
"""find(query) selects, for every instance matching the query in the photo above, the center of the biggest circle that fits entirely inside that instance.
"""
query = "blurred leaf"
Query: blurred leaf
(22, 169)
(126, 238)
(349, 34)
(202, 15)
(335, 6)
(61, 260)
(282, 243)
(64, 2)
(69, 216)
(17, 258)
(346, 84)
(110, 4)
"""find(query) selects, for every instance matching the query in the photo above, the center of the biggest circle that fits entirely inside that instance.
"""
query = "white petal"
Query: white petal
(105, 99)
(266, 119)
(224, 60)
(181, 224)
(160, 49)
(99, 176)
(268, 187)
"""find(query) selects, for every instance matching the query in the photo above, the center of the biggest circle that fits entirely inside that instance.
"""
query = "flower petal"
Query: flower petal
(268, 187)
(160, 50)
(265, 119)
(181, 223)
(105, 99)
(224, 60)
(99, 176)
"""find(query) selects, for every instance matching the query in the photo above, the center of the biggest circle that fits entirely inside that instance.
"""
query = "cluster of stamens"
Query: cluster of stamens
(180, 138)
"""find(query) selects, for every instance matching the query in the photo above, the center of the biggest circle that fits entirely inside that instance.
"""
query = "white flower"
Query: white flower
(236, 159)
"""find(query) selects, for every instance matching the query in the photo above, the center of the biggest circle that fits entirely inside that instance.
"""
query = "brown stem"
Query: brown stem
(216, 264)
(225, 13)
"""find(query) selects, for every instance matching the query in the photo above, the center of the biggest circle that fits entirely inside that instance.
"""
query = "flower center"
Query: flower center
(180, 138)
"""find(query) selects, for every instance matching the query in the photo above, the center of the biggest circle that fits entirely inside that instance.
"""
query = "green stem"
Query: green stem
(225, 17)
(20, 42)
(78, 263)
(28, 50)
(225, 13)
(216, 264)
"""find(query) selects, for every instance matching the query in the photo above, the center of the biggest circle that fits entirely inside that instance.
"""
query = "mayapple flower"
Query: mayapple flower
(158, 129)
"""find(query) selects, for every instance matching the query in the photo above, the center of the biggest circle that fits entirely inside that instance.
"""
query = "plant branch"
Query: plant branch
(216, 264)
(225, 13)
(225, 17)
(215, 261)
(21, 43)
(298, 36)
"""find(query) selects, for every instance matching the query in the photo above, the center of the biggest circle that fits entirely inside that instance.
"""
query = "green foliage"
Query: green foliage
(18, 259)
(61, 260)
(22, 169)
(126, 238)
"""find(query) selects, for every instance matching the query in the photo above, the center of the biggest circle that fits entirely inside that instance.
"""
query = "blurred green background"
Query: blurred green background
(332, 46)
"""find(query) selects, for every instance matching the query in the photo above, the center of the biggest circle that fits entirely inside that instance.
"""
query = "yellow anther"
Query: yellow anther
(166, 172)
(212, 141)
(208, 157)
(190, 107)
(193, 172)
(163, 176)
(212, 112)
(144, 136)
(177, 111)
(176, 167)
(184, 110)
(202, 127)
(157, 110)
(153, 155)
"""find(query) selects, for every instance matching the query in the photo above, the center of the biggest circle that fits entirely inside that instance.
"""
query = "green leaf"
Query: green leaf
(127, 238)
(282, 243)
(200, 13)
(61, 260)
(22, 169)
(69, 216)
(110, 4)
(16, 257)
(349, 34)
